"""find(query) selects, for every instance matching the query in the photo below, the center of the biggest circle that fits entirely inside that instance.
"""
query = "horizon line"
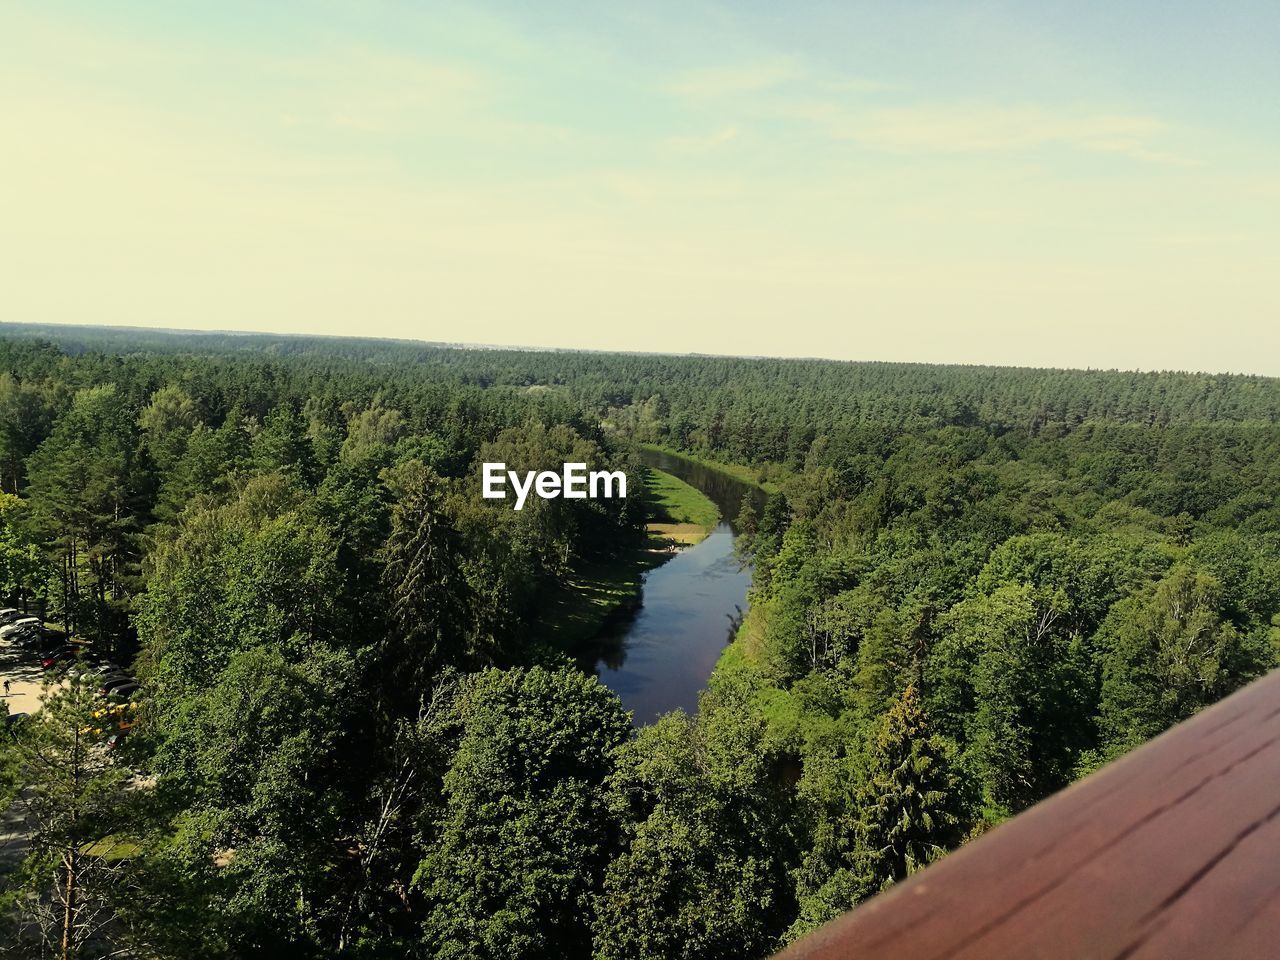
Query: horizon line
(533, 348)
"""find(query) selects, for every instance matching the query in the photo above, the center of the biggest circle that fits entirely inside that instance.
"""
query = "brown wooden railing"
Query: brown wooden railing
(1170, 853)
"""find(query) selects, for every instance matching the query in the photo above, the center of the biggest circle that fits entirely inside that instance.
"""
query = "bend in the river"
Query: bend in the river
(659, 657)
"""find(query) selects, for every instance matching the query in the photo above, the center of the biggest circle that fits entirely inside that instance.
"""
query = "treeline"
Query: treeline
(760, 410)
(976, 585)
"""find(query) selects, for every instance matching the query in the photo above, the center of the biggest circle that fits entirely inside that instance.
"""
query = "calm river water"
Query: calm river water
(659, 657)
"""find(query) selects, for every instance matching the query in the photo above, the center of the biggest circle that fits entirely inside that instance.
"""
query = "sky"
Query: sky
(1067, 184)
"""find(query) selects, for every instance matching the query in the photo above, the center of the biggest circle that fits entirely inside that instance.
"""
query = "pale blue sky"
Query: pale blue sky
(1070, 184)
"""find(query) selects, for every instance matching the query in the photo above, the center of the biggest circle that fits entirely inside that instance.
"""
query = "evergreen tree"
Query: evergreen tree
(282, 444)
(903, 812)
(26, 414)
(429, 596)
(908, 804)
(88, 497)
(69, 895)
(24, 570)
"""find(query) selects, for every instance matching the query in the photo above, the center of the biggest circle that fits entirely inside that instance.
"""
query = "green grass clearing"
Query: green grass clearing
(112, 848)
(679, 513)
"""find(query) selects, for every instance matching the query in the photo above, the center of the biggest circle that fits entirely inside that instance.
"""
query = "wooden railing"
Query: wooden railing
(1170, 853)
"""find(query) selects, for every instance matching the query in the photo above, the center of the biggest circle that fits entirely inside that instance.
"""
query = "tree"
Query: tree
(210, 459)
(430, 599)
(524, 837)
(24, 571)
(26, 414)
(1167, 653)
(282, 445)
(404, 793)
(747, 523)
(1016, 690)
(255, 768)
(907, 805)
(88, 496)
(258, 571)
(555, 532)
(904, 811)
(255, 721)
(166, 423)
(371, 430)
(707, 838)
(68, 893)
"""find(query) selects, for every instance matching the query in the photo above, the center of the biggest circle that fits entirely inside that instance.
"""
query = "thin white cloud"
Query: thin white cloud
(701, 144)
(373, 92)
(713, 83)
(846, 85)
(750, 77)
(969, 128)
(1137, 151)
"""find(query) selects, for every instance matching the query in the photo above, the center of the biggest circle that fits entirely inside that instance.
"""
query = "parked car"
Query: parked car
(80, 669)
(41, 640)
(121, 714)
(124, 691)
(90, 667)
(17, 626)
(46, 645)
(61, 656)
(78, 649)
(8, 615)
(52, 639)
(30, 638)
(111, 681)
(12, 721)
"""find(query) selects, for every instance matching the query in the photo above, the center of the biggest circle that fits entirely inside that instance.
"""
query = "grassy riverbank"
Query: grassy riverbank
(766, 478)
(678, 512)
(576, 612)
(679, 516)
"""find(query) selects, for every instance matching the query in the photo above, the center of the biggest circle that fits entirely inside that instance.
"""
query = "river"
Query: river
(658, 657)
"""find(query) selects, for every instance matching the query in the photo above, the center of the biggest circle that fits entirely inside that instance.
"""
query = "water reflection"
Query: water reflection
(658, 656)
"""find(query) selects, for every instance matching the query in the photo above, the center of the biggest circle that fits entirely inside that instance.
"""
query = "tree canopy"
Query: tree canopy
(359, 735)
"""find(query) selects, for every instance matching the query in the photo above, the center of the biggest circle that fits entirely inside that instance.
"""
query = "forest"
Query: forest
(357, 733)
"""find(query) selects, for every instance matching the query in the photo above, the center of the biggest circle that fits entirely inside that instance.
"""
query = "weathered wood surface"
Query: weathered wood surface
(1170, 853)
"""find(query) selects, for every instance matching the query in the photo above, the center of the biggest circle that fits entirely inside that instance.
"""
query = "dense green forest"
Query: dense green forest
(357, 735)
